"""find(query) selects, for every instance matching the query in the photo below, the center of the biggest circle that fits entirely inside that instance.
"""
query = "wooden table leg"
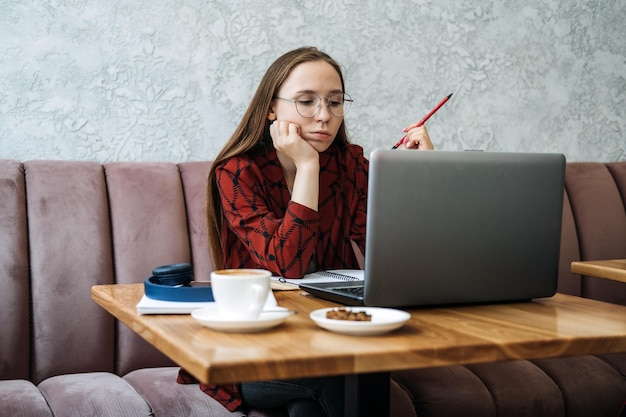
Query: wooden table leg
(367, 395)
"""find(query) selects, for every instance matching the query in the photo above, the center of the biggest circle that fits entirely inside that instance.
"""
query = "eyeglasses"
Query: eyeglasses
(308, 105)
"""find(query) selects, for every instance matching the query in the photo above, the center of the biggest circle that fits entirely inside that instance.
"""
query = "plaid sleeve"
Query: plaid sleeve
(283, 244)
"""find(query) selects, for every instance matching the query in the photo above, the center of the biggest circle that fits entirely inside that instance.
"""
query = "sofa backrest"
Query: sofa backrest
(66, 226)
(594, 226)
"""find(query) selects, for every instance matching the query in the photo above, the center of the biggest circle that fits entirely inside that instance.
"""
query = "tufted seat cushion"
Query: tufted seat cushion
(20, 398)
(99, 394)
(169, 399)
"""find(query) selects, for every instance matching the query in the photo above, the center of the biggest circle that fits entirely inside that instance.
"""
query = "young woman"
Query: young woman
(288, 193)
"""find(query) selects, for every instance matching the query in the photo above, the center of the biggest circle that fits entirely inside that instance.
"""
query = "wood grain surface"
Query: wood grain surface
(549, 327)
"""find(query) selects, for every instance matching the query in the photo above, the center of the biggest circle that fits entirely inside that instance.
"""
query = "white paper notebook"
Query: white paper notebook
(334, 275)
(151, 306)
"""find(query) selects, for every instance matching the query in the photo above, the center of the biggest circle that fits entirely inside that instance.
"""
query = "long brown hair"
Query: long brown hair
(253, 130)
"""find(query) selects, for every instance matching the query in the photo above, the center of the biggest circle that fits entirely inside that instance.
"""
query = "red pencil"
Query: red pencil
(421, 122)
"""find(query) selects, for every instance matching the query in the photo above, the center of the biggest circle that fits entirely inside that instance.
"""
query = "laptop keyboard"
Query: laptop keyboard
(354, 291)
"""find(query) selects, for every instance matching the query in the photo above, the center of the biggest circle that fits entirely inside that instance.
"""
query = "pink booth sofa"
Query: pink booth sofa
(65, 226)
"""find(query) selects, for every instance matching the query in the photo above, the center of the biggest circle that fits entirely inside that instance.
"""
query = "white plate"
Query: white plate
(210, 317)
(383, 320)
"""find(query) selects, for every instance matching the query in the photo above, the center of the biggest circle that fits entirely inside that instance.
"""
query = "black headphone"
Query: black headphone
(174, 274)
(174, 282)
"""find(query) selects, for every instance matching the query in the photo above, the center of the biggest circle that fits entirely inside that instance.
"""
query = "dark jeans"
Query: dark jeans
(306, 397)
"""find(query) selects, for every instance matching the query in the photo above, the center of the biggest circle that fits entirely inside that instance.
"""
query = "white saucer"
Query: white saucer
(210, 317)
(383, 321)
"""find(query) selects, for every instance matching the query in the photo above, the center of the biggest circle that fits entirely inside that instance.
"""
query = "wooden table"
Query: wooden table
(557, 326)
(613, 269)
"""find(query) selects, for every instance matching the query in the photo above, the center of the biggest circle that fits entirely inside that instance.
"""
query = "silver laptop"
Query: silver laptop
(446, 228)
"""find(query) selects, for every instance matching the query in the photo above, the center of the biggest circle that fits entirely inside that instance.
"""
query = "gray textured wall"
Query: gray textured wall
(168, 80)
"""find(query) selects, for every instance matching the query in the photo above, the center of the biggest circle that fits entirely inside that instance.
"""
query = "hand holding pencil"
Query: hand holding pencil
(424, 119)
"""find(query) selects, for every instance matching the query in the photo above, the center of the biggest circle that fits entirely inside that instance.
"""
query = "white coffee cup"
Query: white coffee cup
(240, 294)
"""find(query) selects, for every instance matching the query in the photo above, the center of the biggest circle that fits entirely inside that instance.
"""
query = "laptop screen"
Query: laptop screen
(462, 227)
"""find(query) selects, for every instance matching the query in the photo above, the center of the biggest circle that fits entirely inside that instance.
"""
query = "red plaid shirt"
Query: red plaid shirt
(264, 229)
